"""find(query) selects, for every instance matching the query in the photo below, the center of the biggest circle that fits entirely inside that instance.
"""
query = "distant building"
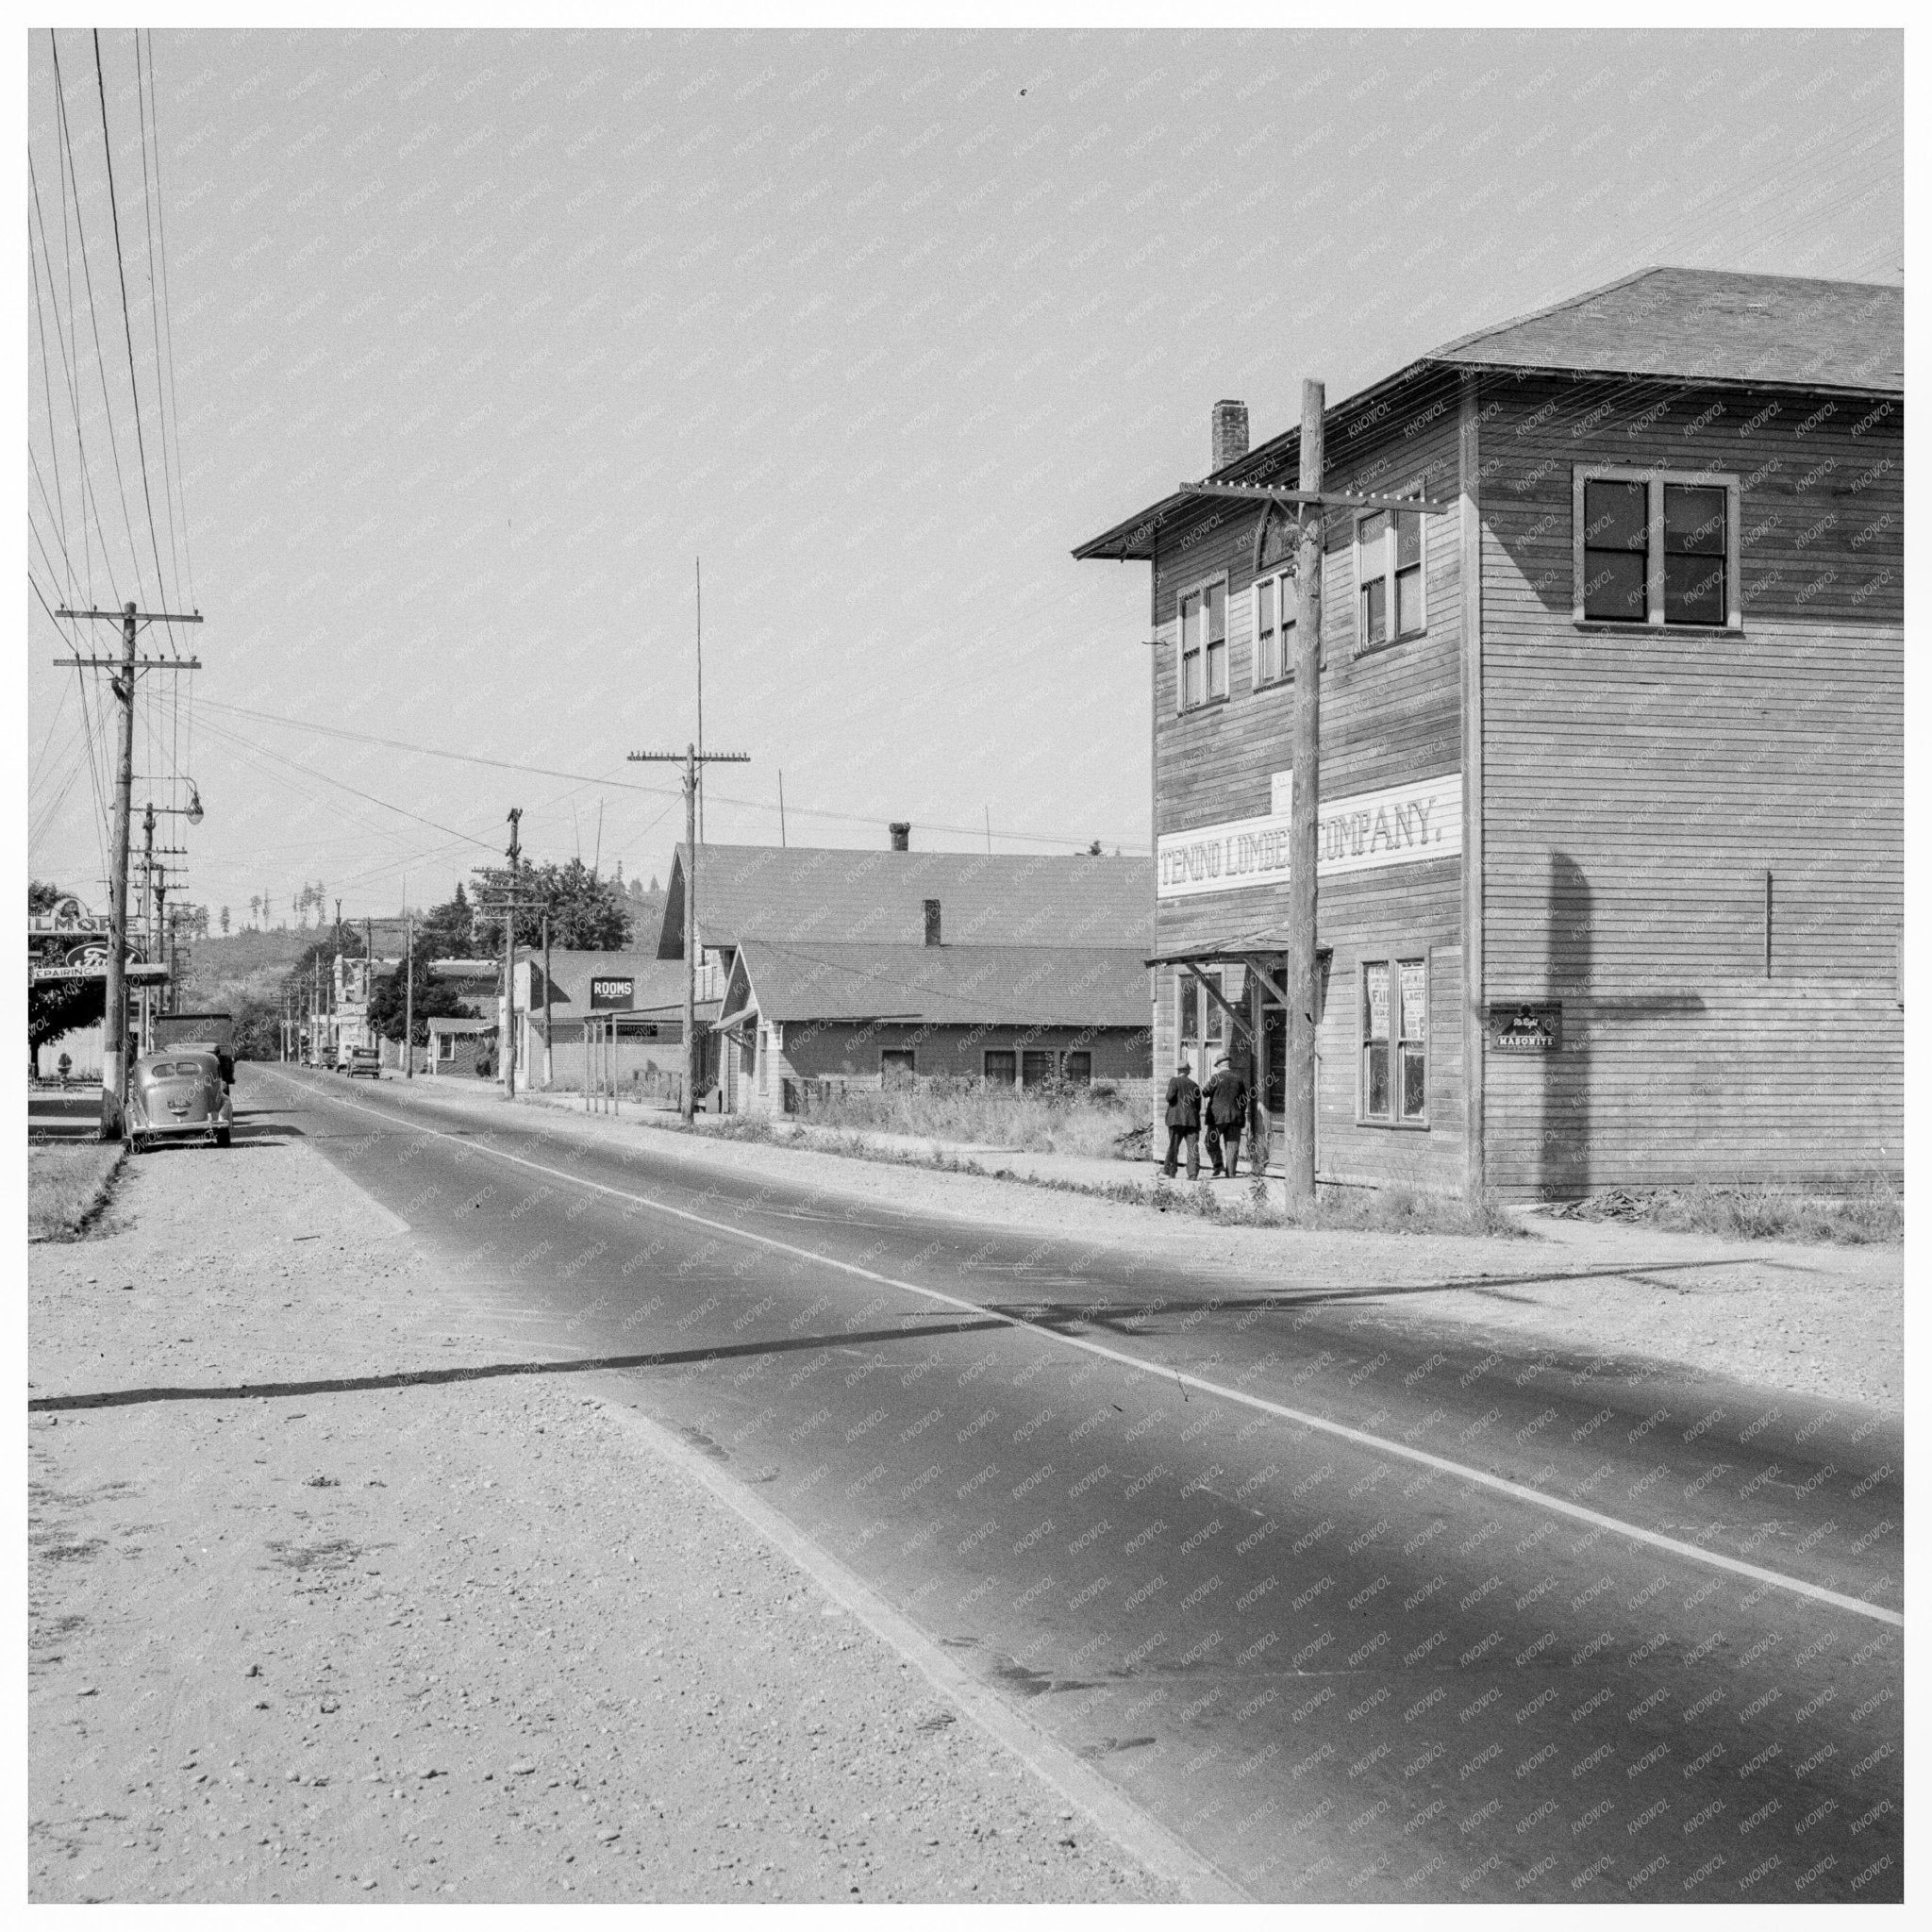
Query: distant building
(638, 994)
(797, 1014)
(457, 1045)
(1611, 847)
(832, 915)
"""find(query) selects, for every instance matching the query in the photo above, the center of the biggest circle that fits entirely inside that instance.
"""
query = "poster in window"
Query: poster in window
(1375, 997)
(1415, 1019)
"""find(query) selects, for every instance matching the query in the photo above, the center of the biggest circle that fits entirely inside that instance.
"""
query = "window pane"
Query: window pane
(1217, 667)
(1191, 623)
(1076, 1069)
(1614, 586)
(896, 1067)
(1264, 607)
(1409, 541)
(1375, 1078)
(1695, 517)
(1212, 1017)
(1000, 1067)
(1191, 678)
(1615, 516)
(1217, 613)
(1414, 1084)
(1035, 1067)
(1375, 609)
(1190, 1008)
(1376, 1000)
(1371, 527)
(1415, 1019)
(1693, 590)
(1290, 600)
(1408, 600)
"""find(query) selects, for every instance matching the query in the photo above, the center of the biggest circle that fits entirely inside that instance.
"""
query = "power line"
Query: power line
(128, 319)
(154, 306)
(70, 190)
(168, 319)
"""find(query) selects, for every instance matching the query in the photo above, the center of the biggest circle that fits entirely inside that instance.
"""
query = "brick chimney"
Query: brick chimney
(901, 830)
(1230, 434)
(932, 922)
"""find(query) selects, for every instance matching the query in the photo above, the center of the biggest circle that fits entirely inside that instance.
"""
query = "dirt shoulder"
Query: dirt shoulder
(1818, 1321)
(474, 1641)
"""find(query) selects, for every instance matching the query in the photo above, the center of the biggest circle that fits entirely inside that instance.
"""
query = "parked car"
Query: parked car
(180, 1091)
(362, 1059)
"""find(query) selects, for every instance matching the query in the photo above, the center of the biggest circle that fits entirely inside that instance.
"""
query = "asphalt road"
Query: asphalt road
(1361, 1614)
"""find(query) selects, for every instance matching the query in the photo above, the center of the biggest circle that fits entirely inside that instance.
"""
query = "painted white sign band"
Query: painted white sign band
(1398, 825)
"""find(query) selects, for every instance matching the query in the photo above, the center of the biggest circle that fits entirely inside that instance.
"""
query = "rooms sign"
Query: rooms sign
(1363, 833)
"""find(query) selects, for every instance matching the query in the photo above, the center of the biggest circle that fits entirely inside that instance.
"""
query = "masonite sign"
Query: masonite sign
(1526, 1026)
(613, 996)
(1364, 832)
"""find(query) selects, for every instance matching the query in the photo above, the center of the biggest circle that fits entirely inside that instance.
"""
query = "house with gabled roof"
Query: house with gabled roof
(1610, 875)
(927, 921)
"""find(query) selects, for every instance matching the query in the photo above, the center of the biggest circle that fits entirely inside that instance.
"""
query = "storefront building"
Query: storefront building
(1611, 863)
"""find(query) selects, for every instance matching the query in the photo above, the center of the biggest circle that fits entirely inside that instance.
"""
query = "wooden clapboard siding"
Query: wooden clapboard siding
(1389, 716)
(1639, 787)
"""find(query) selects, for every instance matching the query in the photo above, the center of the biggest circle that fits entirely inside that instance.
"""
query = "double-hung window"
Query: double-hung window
(1394, 1018)
(1204, 644)
(1276, 604)
(1655, 548)
(1389, 577)
(1200, 1017)
(1001, 1066)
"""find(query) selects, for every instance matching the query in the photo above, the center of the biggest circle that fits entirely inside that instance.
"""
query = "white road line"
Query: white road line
(1522, 1493)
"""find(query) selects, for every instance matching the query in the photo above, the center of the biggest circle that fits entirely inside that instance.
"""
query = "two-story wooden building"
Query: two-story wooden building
(1611, 855)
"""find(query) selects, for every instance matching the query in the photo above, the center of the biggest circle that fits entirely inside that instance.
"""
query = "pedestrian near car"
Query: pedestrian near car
(1226, 1103)
(66, 1065)
(1183, 1122)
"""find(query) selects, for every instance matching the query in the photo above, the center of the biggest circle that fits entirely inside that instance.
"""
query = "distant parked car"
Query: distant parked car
(180, 1092)
(362, 1059)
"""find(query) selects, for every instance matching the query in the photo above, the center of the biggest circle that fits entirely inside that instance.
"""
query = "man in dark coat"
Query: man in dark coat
(1183, 1122)
(1227, 1102)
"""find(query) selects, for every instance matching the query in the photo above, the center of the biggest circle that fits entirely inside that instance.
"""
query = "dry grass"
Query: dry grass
(68, 1183)
(1872, 1211)
(1105, 1121)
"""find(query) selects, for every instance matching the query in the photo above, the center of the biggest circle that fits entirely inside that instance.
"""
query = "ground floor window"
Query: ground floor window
(1395, 1081)
(1200, 1021)
(896, 1066)
(1034, 1068)
(1076, 1069)
(1002, 1067)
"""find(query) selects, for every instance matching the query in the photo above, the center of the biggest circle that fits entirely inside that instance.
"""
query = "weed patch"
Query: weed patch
(1872, 1212)
(68, 1184)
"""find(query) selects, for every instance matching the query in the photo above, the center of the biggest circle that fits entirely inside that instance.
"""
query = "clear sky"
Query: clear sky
(479, 338)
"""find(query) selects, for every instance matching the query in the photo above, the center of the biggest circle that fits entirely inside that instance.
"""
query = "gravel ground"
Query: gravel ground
(1818, 1321)
(476, 1641)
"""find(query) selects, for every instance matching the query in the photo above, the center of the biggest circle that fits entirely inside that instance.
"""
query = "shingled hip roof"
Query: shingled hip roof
(833, 894)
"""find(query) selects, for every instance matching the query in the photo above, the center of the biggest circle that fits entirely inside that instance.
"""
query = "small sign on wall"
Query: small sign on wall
(612, 995)
(1526, 1026)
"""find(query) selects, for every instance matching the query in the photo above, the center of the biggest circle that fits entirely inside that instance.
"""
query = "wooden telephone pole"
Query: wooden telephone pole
(690, 758)
(114, 1023)
(1301, 985)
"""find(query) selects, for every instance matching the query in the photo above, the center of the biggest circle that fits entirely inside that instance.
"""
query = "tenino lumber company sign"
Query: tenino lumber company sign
(1396, 826)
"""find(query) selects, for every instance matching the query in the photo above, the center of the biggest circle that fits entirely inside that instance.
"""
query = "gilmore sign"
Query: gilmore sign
(1363, 833)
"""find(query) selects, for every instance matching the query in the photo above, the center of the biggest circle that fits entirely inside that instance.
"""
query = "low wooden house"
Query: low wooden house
(636, 997)
(1611, 850)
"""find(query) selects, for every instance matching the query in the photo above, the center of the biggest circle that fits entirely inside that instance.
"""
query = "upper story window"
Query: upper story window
(1389, 577)
(1204, 643)
(1657, 549)
(1277, 603)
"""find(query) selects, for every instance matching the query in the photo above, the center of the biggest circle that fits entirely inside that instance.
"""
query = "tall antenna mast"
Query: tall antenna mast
(698, 569)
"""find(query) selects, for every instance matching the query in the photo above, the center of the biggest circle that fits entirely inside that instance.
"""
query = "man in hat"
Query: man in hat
(1225, 1101)
(1183, 1121)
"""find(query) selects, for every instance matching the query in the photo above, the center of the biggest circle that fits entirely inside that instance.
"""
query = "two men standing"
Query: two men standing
(1226, 1106)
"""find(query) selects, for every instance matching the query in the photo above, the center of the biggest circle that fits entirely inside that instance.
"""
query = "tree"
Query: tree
(433, 999)
(447, 931)
(62, 1005)
(42, 897)
(588, 914)
(224, 922)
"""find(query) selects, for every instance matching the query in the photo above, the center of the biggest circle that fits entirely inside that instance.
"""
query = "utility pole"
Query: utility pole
(148, 908)
(408, 996)
(1300, 993)
(114, 1021)
(505, 1044)
(546, 1002)
(690, 758)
